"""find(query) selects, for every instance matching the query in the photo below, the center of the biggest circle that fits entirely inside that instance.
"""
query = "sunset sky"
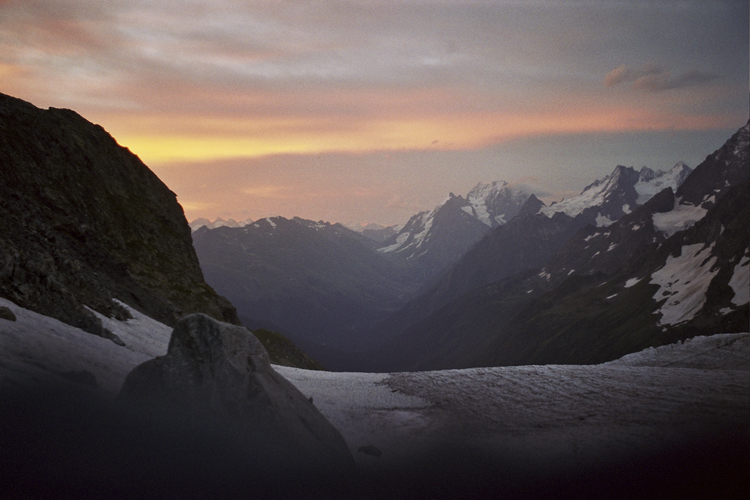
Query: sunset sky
(371, 110)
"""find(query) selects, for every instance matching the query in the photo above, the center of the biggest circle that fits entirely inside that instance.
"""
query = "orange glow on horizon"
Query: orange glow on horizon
(235, 138)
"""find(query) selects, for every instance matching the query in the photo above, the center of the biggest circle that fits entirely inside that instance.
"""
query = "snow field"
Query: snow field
(678, 219)
(37, 347)
(549, 416)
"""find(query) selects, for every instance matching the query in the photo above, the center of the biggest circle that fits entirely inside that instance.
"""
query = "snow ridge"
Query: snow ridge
(646, 184)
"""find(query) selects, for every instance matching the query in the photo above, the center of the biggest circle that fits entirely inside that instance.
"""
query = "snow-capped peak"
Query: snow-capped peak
(495, 203)
(648, 185)
(486, 206)
(619, 192)
(593, 195)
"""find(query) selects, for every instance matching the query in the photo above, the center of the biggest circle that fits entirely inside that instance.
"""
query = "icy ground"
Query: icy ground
(544, 415)
(550, 417)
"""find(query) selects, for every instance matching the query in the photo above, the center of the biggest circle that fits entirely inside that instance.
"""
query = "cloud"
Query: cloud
(654, 78)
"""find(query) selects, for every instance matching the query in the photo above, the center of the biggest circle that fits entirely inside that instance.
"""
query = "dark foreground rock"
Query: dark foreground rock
(211, 419)
(219, 374)
(7, 314)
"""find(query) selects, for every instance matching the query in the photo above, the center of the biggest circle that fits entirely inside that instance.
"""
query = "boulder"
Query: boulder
(217, 378)
(7, 314)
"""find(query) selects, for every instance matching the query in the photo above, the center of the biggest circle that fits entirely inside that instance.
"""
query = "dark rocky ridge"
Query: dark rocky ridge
(84, 221)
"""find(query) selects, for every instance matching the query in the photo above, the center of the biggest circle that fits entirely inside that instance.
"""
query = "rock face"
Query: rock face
(85, 221)
(217, 374)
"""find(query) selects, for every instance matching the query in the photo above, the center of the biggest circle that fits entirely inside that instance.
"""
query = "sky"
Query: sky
(366, 111)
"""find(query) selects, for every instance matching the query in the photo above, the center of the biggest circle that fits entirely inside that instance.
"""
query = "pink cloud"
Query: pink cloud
(654, 78)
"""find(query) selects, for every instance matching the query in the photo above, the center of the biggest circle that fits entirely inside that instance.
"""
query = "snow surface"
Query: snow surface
(427, 221)
(726, 351)
(400, 239)
(683, 281)
(632, 282)
(37, 347)
(678, 219)
(591, 197)
(603, 221)
(556, 416)
(478, 197)
(559, 414)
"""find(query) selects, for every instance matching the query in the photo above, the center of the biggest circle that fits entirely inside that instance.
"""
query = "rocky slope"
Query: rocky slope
(85, 222)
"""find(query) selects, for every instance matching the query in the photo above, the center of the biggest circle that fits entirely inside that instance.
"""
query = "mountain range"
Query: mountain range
(670, 269)
(284, 275)
(492, 278)
(219, 222)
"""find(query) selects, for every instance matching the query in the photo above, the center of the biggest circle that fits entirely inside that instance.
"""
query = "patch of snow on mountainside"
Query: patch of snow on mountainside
(141, 334)
(632, 282)
(42, 347)
(603, 221)
(400, 239)
(678, 219)
(427, 221)
(740, 282)
(414, 233)
(683, 282)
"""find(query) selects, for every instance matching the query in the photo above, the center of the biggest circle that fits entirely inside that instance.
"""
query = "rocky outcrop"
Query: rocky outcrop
(7, 314)
(217, 374)
(85, 221)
